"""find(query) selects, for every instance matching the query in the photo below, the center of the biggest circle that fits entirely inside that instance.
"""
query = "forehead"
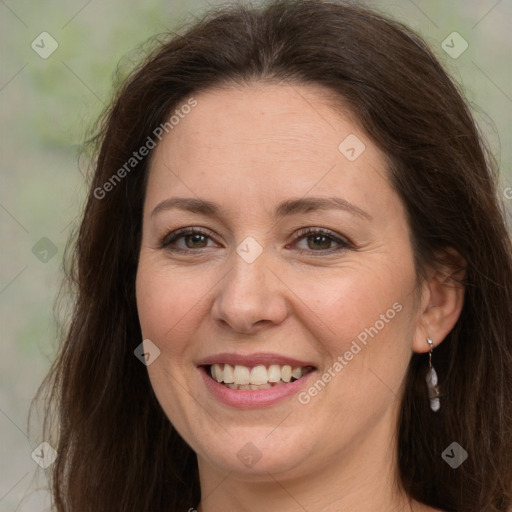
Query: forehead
(276, 117)
(267, 141)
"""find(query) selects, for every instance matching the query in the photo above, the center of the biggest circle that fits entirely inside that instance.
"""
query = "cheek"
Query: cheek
(363, 319)
(356, 300)
(167, 306)
(167, 303)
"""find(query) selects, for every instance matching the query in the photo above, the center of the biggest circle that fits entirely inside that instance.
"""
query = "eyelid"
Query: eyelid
(343, 242)
(167, 239)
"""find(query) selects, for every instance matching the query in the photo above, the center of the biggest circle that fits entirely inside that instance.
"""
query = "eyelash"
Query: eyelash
(172, 237)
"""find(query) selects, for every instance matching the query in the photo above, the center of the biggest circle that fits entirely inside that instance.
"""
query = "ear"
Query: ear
(442, 298)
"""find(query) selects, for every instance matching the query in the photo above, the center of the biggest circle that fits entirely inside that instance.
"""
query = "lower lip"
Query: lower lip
(248, 398)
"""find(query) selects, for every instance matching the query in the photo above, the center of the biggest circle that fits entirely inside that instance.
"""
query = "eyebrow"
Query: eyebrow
(286, 208)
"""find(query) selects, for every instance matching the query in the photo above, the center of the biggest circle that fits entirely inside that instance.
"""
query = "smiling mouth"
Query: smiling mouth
(257, 377)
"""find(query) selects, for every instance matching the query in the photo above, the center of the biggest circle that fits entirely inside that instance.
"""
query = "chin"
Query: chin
(255, 452)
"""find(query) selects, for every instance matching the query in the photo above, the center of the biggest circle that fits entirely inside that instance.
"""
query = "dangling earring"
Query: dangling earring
(432, 382)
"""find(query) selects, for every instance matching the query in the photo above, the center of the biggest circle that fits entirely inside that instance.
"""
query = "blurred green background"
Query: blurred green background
(48, 106)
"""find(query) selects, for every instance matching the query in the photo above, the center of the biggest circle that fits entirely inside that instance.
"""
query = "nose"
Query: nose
(251, 296)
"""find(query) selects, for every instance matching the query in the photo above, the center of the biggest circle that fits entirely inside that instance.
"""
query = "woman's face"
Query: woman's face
(299, 256)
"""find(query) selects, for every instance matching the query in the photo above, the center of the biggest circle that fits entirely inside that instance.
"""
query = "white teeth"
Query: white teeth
(217, 373)
(274, 373)
(257, 377)
(229, 376)
(286, 373)
(263, 386)
(241, 374)
(296, 372)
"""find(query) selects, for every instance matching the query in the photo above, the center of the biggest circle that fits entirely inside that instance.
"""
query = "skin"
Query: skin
(247, 149)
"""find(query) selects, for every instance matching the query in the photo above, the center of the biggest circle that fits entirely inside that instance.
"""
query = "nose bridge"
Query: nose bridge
(250, 293)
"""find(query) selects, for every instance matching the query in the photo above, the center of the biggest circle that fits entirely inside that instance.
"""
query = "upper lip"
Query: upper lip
(250, 360)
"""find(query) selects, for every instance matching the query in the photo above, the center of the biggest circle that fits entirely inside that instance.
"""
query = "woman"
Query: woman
(294, 280)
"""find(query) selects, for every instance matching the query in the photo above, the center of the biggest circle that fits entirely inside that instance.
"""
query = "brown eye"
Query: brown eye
(194, 241)
(320, 241)
(186, 240)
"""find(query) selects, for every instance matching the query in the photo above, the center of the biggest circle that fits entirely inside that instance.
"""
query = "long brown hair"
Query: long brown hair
(116, 448)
